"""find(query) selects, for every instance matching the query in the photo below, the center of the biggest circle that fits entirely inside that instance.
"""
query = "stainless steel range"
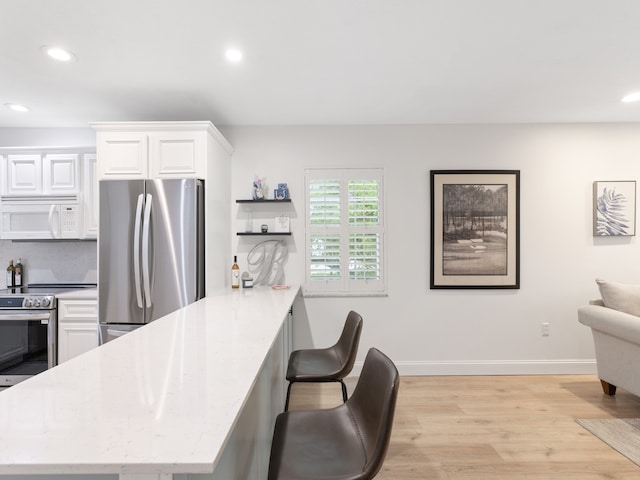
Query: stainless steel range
(29, 331)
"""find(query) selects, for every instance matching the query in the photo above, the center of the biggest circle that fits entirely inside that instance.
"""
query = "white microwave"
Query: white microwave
(40, 218)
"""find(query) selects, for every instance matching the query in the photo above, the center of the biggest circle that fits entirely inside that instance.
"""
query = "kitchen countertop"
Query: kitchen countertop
(162, 399)
(90, 293)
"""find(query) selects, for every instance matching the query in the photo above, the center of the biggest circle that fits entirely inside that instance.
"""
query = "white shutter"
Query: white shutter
(345, 231)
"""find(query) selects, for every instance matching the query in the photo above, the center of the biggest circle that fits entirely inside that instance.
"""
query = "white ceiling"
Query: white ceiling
(320, 61)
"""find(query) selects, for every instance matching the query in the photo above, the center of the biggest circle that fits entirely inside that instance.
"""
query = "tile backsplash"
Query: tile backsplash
(52, 261)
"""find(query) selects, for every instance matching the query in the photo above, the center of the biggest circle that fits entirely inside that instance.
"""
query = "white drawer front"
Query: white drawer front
(82, 310)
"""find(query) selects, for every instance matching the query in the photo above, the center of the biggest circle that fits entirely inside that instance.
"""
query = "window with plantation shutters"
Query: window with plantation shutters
(345, 232)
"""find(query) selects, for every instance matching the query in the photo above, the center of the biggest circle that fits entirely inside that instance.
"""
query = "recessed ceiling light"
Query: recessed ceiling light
(632, 97)
(59, 54)
(233, 55)
(16, 107)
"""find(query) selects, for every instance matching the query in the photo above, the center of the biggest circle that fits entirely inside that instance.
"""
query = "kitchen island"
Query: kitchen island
(192, 395)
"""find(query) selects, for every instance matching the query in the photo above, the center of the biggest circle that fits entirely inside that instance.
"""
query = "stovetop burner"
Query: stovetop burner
(45, 288)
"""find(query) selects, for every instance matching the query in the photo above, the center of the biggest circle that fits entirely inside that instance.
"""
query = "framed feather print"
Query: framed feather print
(614, 208)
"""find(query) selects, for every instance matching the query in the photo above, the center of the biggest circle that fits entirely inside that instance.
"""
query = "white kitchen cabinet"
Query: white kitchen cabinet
(24, 174)
(42, 174)
(90, 196)
(122, 154)
(154, 149)
(61, 174)
(77, 327)
(177, 154)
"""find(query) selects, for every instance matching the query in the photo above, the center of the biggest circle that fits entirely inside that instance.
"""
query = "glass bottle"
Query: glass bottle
(18, 273)
(235, 273)
(11, 275)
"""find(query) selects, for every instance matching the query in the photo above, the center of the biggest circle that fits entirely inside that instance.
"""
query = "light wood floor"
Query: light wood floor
(496, 427)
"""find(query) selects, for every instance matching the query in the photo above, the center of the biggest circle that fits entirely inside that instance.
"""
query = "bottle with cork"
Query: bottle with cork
(18, 276)
(11, 275)
(235, 273)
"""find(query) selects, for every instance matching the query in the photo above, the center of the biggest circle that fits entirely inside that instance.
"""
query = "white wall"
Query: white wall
(461, 331)
(47, 137)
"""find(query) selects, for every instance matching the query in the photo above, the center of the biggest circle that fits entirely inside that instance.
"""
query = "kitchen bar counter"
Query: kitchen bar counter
(165, 399)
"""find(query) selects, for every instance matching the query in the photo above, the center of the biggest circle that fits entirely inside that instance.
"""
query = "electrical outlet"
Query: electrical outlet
(544, 329)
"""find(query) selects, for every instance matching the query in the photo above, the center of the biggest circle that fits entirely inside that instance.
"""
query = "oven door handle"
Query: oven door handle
(24, 316)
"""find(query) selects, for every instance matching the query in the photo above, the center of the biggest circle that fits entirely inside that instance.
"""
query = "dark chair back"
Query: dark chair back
(372, 405)
(347, 346)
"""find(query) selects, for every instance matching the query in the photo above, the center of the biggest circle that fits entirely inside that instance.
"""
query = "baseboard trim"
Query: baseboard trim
(493, 367)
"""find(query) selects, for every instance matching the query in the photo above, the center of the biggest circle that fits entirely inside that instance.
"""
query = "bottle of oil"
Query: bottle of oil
(17, 278)
(235, 273)
(11, 275)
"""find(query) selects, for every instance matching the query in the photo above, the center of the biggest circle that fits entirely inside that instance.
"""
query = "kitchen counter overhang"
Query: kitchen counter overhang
(163, 399)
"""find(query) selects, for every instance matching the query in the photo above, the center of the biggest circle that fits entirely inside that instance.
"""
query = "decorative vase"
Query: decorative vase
(258, 193)
(258, 189)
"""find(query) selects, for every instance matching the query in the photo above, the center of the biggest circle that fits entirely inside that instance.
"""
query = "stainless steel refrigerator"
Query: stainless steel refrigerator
(150, 251)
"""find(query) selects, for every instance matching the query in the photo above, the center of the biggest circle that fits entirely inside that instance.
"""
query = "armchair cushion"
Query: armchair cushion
(621, 297)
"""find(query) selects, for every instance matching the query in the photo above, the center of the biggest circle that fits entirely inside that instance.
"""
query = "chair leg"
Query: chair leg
(344, 391)
(286, 402)
(608, 388)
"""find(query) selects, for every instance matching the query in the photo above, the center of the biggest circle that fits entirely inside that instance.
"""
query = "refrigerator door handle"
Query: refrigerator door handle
(136, 251)
(146, 226)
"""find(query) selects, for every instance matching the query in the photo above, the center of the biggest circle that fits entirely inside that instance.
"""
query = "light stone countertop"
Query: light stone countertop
(81, 293)
(162, 399)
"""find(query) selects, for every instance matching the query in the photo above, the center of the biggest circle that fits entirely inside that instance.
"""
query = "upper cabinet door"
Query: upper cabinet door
(49, 174)
(24, 174)
(177, 154)
(61, 173)
(122, 155)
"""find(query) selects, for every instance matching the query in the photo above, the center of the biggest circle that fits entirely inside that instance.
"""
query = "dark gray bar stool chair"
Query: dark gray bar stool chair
(327, 364)
(347, 442)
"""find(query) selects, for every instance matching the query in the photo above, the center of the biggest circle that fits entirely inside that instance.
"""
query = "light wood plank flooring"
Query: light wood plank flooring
(495, 427)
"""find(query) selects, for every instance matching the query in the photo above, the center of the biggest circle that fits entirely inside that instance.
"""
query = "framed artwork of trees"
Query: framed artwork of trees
(614, 208)
(475, 229)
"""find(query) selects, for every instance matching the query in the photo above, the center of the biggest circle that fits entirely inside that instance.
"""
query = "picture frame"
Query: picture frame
(614, 208)
(282, 224)
(475, 229)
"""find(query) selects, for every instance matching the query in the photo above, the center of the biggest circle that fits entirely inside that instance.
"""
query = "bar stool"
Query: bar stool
(347, 442)
(327, 364)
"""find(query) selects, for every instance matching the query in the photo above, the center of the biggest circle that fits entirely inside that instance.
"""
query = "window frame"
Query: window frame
(345, 286)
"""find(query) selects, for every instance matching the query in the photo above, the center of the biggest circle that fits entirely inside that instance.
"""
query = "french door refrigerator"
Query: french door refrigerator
(150, 251)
